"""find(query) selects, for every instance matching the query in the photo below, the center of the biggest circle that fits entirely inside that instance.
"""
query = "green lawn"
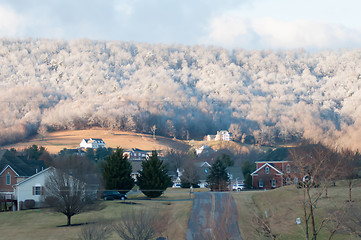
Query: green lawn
(283, 206)
(45, 224)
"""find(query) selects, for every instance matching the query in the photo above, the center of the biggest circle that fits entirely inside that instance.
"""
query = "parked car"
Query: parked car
(111, 195)
(238, 187)
(176, 185)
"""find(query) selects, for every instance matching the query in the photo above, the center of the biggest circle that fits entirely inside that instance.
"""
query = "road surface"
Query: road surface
(214, 216)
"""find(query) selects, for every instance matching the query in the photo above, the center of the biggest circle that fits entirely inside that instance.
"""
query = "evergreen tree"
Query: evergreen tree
(218, 178)
(153, 179)
(247, 168)
(227, 160)
(117, 172)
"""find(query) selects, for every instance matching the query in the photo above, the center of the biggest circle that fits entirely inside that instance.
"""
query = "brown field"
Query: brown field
(56, 141)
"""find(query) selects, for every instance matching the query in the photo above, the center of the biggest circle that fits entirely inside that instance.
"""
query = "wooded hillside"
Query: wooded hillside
(186, 92)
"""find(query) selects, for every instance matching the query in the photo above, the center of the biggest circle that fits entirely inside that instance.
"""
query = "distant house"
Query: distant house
(221, 136)
(92, 143)
(204, 150)
(203, 169)
(235, 175)
(176, 177)
(31, 188)
(136, 154)
(273, 170)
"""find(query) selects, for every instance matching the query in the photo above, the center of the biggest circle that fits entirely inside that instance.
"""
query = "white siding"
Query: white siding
(24, 190)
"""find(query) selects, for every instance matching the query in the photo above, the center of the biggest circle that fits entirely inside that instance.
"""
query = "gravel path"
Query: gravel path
(214, 216)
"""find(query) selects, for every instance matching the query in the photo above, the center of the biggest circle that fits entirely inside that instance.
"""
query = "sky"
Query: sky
(232, 24)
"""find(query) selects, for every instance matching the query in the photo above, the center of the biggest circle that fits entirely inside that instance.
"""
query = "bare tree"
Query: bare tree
(95, 231)
(350, 169)
(136, 225)
(351, 222)
(190, 176)
(65, 194)
(315, 166)
(262, 224)
(153, 129)
(71, 186)
(235, 130)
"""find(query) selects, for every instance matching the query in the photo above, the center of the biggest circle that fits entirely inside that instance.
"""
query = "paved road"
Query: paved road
(214, 216)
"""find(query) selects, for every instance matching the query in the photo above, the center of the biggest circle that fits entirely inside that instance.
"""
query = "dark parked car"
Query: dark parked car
(111, 195)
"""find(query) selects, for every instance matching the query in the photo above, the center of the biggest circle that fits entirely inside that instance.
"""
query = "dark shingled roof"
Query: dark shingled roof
(20, 164)
(279, 154)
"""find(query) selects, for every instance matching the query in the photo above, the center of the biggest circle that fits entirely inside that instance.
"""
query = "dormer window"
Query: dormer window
(8, 179)
(266, 169)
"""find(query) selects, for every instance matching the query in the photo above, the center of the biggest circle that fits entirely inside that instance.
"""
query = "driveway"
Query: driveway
(214, 216)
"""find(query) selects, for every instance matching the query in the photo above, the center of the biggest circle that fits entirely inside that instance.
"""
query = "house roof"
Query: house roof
(236, 172)
(8, 166)
(33, 176)
(20, 164)
(277, 155)
(263, 166)
(99, 140)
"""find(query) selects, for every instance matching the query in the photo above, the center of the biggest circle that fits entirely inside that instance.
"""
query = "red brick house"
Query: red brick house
(14, 169)
(273, 170)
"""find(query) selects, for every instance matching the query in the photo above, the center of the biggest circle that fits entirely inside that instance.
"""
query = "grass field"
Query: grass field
(283, 206)
(45, 224)
(56, 141)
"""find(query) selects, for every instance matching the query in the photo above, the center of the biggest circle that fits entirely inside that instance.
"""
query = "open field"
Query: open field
(56, 141)
(44, 224)
(283, 206)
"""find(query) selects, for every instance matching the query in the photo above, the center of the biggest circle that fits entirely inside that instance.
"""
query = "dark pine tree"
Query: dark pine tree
(248, 168)
(218, 178)
(117, 172)
(153, 179)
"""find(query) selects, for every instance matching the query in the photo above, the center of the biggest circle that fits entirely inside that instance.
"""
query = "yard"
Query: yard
(45, 224)
(283, 205)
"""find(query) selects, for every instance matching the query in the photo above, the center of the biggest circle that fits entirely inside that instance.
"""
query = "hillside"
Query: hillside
(56, 141)
(186, 92)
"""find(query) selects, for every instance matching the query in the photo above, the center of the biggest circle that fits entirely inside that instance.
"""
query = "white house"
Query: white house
(223, 136)
(92, 143)
(31, 187)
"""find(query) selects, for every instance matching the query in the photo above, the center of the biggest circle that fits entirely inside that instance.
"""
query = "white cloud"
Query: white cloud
(11, 24)
(234, 31)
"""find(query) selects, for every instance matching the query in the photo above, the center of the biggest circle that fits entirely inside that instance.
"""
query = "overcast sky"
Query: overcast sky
(248, 24)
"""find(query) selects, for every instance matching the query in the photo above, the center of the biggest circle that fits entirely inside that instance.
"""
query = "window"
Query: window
(266, 169)
(260, 183)
(8, 179)
(288, 168)
(273, 182)
(288, 181)
(38, 190)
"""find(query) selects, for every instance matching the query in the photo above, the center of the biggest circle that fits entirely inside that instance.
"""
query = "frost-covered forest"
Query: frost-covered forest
(275, 96)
